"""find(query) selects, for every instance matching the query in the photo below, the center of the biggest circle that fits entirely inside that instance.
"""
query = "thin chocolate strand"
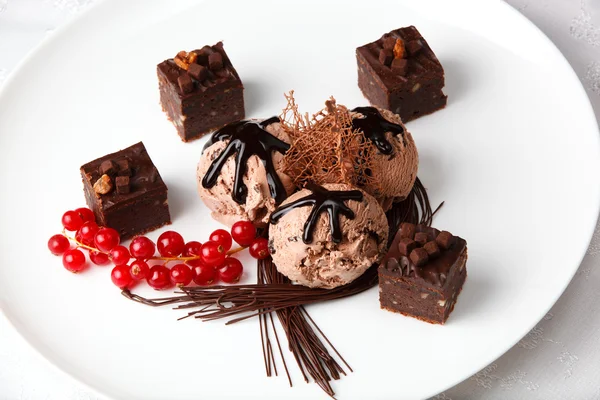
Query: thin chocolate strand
(274, 293)
(328, 342)
(277, 339)
(262, 340)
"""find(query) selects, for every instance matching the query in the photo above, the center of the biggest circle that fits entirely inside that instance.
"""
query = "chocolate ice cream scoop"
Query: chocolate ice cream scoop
(327, 236)
(239, 174)
(396, 159)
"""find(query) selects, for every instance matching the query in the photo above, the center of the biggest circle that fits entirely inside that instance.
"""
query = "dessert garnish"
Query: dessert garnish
(374, 127)
(247, 138)
(322, 200)
(338, 145)
(326, 148)
(274, 293)
(203, 264)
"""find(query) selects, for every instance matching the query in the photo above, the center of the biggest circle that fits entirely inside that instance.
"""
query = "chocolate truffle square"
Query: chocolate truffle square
(400, 72)
(126, 192)
(200, 91)
(423, 273)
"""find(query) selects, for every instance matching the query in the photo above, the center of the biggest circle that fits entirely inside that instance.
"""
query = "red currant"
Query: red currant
(222, 237)
(203, 274)
(231, 271)
(243, 232)
(191, 249)
(159, 277)
(120, 276)
(142, 247)
(74, 260)
(58, 244)
(120, 255)
(170, 244)
(99, 258)
(212, 254)
(107, 239)
(71, 220)
(259, 248)
(139, 270)
(86, 214)
(181, 275)
(87, 233)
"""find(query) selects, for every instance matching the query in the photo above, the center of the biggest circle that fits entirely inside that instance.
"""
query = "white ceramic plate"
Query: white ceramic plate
(512, 155)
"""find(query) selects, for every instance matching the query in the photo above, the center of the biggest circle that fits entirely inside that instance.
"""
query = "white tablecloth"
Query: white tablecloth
(558, 359)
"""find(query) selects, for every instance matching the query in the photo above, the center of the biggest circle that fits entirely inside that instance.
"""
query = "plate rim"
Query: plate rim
(57, 34)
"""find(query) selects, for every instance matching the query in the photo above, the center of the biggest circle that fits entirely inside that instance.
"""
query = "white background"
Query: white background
(558, 359)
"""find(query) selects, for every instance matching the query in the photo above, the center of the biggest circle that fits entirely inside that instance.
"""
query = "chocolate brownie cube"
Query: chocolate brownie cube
(200, 91)
(400, 72)
(424, 284)
(126, 192)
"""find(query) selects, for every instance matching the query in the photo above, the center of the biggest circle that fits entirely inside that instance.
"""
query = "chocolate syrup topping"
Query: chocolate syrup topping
(322, 200)
(247, 138)
(374, 127)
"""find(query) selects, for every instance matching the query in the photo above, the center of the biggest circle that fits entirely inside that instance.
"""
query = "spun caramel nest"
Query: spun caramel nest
(326, 148)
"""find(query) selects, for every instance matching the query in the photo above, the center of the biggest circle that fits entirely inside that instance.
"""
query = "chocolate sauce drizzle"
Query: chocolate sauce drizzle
(247, 138)
(374, 127)
(322, 200)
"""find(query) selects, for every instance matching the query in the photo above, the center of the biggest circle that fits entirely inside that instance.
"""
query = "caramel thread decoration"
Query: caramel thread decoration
(326, 148)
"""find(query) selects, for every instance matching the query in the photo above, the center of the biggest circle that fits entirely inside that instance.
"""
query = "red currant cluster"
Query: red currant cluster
(202, 263)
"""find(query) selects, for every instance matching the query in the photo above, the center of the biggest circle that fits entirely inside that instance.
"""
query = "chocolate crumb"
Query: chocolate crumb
(271, 247)
(215, 61)
(386, 56)
(400, 66)
(432, 249)
(445, 240)
(406, 246)
(108, 167)
(123, 168)
(122, 183)
(414, 46)
(198, 72)
(419, 256)
(421, 238)
(185, 83)
(389, 42)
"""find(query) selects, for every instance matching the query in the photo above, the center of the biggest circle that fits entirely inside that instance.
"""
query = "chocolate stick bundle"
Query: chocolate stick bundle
(274, 293)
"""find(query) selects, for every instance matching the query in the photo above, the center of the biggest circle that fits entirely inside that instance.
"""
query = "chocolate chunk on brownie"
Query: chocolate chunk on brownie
(400, 72)
(126, 192)
(423, 273)
(200, 91)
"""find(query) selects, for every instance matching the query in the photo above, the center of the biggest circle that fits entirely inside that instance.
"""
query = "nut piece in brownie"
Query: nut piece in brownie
(126, 192)
(200, 91)
(400, 72)
(423, 273)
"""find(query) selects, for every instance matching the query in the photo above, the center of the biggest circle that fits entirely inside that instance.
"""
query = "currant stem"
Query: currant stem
(79, 244)
(166, 259)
